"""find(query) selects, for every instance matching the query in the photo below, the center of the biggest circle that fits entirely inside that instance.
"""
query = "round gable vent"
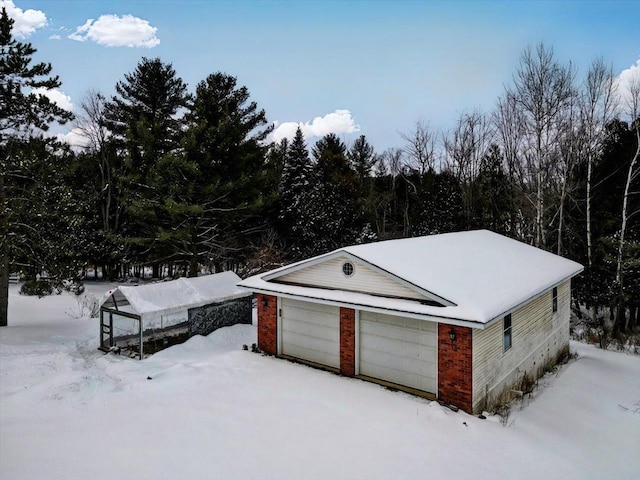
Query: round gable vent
(348, 269)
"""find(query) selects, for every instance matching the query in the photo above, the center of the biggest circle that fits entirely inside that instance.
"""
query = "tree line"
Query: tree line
(180, 181)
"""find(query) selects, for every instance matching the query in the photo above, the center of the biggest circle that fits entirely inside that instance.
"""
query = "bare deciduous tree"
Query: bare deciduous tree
(510, 136)
(542, 92)
(597, 106)
(90, 124)
(465, 146)
(420, 147)
(562, 171)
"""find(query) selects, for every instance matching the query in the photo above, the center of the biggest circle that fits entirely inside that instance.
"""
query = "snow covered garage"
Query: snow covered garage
(461, 317)
(147, 318)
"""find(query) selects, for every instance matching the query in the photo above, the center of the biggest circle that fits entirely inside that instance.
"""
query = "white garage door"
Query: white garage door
(311, 332)
(399, 350)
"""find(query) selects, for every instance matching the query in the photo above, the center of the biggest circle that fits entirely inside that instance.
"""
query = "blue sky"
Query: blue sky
(389, 64)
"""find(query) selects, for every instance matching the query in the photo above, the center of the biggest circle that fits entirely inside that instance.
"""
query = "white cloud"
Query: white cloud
(626, 79)
(26, 21)
(75, 138)
(55, 36)
(56, 96)
(339, 121)
(115, 31)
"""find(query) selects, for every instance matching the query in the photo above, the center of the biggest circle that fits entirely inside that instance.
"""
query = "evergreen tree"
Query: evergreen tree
(144, 118)
(144, 114)
(218, 194)
(444, 208)
(362, 158)
(596, 287)
(332, 164)
(296, 184)
(494, 207)
(270, 248)
(102, 180)
(331, 220)
(23, 114)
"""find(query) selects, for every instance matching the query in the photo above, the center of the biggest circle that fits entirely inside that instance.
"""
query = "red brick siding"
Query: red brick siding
(268, 324)
(455, 366)
(347, 341)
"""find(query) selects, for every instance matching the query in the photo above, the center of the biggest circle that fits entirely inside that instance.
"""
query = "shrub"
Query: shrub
(73, 286)
(87, 305)
(41, 288)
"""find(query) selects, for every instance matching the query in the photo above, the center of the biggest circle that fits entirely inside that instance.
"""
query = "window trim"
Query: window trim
(554, 301)
(507, 333)
(346, 266)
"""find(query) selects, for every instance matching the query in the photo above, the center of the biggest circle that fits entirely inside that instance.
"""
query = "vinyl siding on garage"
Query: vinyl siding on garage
(538, 335)
(329, 275)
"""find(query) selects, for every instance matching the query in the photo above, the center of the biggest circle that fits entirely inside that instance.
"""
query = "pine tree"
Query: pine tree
(296, 184)
(362, 158)
(221, 200)
(332, 164)
(23, 114)
(144, 114)
(443, 210)
(494, 207)
(330, 218)
(144, 118)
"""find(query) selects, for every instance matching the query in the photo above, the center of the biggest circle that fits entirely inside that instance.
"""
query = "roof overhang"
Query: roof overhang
(370, 303)
(453, 315)
(530, 299)
(275, 274)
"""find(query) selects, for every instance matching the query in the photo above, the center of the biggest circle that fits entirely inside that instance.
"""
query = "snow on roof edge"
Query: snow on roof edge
(153, 299)
(496, 273)
(374, 303)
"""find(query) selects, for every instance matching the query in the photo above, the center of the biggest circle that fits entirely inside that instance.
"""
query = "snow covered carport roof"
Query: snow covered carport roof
(163, 298)
(475, 277)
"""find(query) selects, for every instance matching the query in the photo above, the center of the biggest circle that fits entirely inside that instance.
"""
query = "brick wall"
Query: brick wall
(347, 341)
(455, 366)
(268, 324)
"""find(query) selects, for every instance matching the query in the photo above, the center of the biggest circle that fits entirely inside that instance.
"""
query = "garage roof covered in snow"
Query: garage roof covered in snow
(163, 298)
(474, 276)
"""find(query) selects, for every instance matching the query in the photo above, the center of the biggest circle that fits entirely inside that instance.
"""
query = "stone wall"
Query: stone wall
(206, 319)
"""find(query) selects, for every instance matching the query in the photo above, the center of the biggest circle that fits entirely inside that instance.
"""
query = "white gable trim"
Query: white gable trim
(344, 254)
(362, 306)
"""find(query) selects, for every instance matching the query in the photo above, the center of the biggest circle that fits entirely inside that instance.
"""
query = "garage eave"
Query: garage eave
(362, 301)
(341, 253)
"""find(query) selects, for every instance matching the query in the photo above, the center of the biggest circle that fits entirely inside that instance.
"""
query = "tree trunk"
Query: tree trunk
(4, 258)
(539, 238)
(561, 216)
(619, 326)
(4, 291)
(193, 265)
(633, 317)
(589, 168)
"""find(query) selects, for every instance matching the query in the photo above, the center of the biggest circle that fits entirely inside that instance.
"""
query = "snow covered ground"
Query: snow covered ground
(212, 410)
